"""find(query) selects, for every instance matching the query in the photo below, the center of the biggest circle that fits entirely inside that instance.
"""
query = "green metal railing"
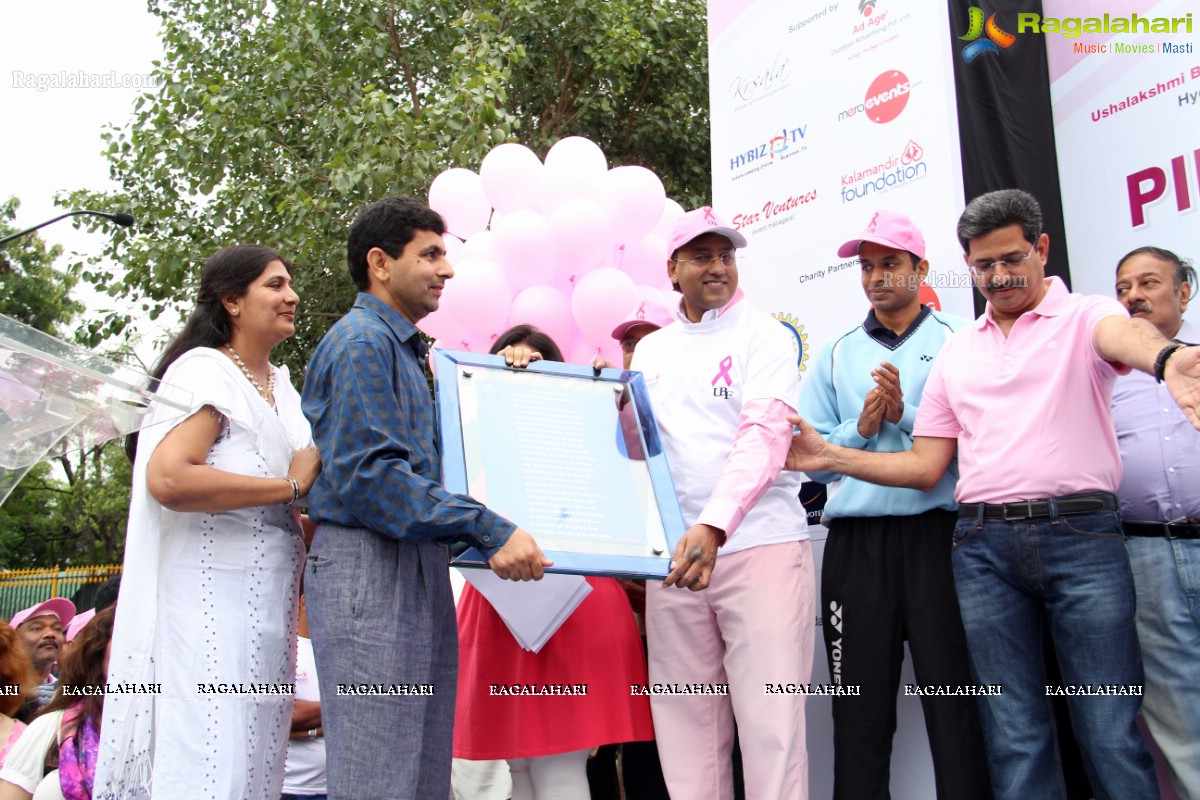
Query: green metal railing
(22, 588)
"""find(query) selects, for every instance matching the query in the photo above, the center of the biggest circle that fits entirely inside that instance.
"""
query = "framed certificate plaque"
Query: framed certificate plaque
(570, 456)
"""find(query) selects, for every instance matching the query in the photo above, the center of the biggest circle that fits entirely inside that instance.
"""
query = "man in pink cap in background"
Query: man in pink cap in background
(40, 629)
(722, 380)
(885, 573)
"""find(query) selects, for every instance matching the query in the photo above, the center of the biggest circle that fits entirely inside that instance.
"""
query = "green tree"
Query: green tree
(275, 120)
(32, 291)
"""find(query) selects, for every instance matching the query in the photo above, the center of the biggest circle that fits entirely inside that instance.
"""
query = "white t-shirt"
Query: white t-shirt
(699, 376)
(304, 772)
(25, 765)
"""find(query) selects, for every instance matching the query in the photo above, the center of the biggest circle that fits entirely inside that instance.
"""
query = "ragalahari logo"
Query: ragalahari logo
(996, 37)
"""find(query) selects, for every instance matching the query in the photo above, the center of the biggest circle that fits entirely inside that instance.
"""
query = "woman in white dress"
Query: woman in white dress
(206, 618)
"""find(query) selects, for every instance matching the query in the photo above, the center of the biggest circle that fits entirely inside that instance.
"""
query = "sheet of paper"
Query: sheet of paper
(532, 610)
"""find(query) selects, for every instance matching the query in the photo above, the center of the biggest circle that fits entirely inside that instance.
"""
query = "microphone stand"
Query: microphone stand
(122, 219)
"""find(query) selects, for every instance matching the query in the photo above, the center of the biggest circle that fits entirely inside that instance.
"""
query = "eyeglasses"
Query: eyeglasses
(1008, 262)
(726, 259)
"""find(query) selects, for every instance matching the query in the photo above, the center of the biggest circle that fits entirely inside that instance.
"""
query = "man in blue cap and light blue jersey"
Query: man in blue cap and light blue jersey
(886, 575)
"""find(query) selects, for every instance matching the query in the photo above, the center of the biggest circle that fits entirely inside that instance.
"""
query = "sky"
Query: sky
(50, 138)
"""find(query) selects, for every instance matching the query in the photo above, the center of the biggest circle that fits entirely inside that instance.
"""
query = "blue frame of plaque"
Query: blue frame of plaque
(452, 366)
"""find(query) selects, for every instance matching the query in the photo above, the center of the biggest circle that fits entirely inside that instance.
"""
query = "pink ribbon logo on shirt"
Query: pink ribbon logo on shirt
(725, 366)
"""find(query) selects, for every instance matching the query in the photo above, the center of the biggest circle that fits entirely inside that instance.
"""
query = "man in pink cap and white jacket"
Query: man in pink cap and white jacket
(723, 379)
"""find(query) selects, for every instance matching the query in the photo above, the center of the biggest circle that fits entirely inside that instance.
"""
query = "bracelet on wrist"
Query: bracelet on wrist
(295, 490)
(1164, 355)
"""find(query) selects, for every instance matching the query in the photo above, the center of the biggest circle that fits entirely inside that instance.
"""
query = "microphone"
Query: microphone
(119, 217)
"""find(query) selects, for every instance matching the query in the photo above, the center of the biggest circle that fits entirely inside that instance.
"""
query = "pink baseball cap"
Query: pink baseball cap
(77, 624)
(56, 606)
(647, 313)
(890, 229)
(697, 223)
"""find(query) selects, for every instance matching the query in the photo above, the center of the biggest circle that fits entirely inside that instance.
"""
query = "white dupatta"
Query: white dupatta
(200, 377)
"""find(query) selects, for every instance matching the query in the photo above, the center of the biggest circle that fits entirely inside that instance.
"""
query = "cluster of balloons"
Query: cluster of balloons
(568, 245)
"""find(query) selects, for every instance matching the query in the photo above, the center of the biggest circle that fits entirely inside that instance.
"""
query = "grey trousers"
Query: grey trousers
(385, 640)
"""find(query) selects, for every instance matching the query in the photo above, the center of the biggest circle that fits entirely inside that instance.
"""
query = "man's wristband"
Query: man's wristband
(1160, 363)
(295, 490)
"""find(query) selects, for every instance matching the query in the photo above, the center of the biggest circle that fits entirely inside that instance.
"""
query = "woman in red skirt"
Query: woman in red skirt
(583, 677)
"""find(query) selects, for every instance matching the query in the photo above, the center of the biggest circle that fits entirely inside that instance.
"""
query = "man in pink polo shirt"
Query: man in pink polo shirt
(722, 380)
(1022, 395)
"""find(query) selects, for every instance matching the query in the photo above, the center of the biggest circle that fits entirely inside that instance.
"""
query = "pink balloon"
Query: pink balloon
(478, 296)
(645, 260)
(672, 211)
(442, 324)
(481, 245)
(599, 303)
(577, 154)
(582, 234)
(548, 309)
(634, 198)
(512, 177)
(457, 194)
(583, 352)
(524, 247)
(575, 167)
(454, 247)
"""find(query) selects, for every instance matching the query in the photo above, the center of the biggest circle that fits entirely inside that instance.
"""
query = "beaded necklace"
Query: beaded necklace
(264, 391)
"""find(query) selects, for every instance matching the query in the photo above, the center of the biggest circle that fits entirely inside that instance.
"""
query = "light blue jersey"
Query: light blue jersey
(832, 396)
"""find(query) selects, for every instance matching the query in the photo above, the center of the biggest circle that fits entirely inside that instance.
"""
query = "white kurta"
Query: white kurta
(207, 611)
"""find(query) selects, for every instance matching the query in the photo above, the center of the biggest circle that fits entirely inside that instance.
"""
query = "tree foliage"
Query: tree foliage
(275, 120)
(32, 291)
(49, 521)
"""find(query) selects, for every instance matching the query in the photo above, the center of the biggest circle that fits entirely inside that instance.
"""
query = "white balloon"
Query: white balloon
(634, 198)
(457, 194)
(512, 177)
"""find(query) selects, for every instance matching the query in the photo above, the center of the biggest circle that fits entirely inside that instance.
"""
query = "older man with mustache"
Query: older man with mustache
(1160, 510)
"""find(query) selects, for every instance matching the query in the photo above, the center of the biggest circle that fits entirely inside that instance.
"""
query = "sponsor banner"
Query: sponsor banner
(802, 159)
(823, 114)
(1125, 93)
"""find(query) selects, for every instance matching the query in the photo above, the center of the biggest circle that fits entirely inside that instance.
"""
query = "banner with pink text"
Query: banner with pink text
(1125, 89)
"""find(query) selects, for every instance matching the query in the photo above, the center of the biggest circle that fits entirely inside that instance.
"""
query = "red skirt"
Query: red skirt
(597, 646)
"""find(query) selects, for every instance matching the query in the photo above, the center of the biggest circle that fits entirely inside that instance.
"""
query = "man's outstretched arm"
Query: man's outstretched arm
(919, 468)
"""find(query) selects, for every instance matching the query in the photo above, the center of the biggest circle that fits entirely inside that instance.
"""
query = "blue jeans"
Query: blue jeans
(1072, 571)
(1166, 576)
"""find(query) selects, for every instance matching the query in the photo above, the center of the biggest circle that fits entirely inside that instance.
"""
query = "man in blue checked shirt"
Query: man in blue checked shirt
(377, 582)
